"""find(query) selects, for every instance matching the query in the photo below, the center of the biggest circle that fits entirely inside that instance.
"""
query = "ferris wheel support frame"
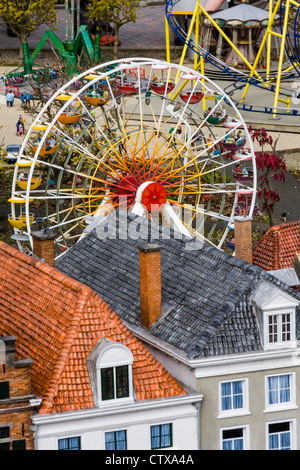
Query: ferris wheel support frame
(199, 9)
(267, 37)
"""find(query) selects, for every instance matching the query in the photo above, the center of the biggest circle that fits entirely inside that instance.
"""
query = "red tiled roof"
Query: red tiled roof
(278, 247)
(58, 321)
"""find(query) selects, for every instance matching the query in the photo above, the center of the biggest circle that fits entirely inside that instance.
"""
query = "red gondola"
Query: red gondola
(192, 97)
(162, 87)
(126, 87)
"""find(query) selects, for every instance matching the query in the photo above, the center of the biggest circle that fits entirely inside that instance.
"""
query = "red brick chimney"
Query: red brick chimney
(243, 238)
(150, 283)
(43, 246)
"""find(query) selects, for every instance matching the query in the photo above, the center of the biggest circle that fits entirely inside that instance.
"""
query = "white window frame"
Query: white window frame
(103, 363)
(238, 411)
(246, 435)
(285, 405)
(292, 423)
(279, 314)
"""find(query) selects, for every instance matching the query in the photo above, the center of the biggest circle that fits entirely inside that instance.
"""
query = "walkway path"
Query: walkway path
(147, 31)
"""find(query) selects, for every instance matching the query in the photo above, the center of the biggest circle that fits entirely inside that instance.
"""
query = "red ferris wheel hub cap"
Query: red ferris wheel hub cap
(154, 197)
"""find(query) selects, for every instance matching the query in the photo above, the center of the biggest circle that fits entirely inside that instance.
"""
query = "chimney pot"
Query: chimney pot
(150, 283)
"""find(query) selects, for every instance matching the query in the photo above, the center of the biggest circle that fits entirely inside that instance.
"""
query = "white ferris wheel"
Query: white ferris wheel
(159, 136)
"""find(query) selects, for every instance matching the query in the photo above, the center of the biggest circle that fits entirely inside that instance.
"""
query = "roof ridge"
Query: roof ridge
(66, 280)
(276, 248)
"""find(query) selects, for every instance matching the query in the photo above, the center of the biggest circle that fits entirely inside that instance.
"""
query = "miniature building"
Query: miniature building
(84, 362)
(278, 247)
(225, 326)
(16, 399)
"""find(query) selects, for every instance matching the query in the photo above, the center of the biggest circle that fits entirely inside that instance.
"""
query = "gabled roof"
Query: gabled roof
(58, 321)
(278, 247)
(205, 293)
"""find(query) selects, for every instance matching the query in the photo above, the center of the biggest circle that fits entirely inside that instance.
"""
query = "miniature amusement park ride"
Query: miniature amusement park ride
(249, 62)
(133, 136)
(79, 47)
(156, 138)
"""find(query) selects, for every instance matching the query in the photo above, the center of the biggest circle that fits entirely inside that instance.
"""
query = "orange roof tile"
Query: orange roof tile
(278, 247)
(58, 321)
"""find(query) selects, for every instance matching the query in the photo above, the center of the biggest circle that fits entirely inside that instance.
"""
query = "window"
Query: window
(280, 436)
(69, 443)
(115, 440)
(114, 382)
(279, 328)
(4, 432)
(161, 436)
(233, 439)
(110, 370)
(280, 391)
(4, 446)
(5, 438)
(19, 444)
(233, 397)
(4, 390)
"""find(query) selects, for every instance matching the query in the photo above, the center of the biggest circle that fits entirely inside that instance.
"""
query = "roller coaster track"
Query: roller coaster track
(271, 81)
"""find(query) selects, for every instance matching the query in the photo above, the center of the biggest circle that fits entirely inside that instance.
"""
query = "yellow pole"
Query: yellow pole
(282, 50)
(267, 33)
(196, 38)
(189, 36)
(269, 41)
(202, 72)
(196, 63)
(167, 32)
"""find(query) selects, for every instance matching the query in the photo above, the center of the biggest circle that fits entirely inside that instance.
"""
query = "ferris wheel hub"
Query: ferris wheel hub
(154, 197)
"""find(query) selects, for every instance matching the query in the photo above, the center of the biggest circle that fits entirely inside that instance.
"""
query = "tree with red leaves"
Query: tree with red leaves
(272, 168)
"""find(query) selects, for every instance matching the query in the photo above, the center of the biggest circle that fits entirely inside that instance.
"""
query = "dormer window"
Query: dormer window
(110, 367)
(280, 327)
(276, 312)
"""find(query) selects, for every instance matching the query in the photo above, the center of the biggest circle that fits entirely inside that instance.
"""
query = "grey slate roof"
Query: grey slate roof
(206, 293)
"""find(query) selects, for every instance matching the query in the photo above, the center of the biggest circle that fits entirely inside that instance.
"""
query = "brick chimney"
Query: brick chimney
(243, 238)
(150, 283)
(43, 246)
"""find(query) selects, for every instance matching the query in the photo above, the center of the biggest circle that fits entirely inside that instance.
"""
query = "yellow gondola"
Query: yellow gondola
(20, 222)
(43, 151)
(34, 184)
(96, 101)
(69, 118)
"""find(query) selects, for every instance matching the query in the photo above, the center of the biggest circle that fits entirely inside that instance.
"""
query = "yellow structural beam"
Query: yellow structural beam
(228, 40)
(267, 37)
